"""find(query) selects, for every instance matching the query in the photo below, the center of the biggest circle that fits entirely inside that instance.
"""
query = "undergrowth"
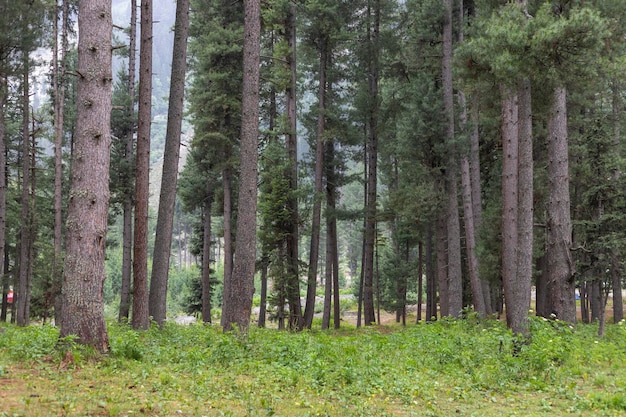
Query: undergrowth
(442, 368)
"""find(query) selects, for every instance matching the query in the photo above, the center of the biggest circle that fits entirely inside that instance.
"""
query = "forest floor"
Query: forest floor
(446, 368)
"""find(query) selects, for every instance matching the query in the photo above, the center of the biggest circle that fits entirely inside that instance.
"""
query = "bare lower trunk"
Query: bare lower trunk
(206, 260)
(442, 265)
(559, 228)
(242, 281)
(86, 225)
(167, 199)
(140, 317)
(228, 240)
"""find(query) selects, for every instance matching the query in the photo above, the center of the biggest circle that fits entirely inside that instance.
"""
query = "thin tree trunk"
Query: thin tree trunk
(431, 278)
(263, 300)
(242, 280)
(525, 210)
(372, 165)
(127, 219)
(559, 228)
(616, 278)
(24, 279)
(3, 201)
(442, 264)
(291, 143)
(318, 190)
(171, 156)
(206, 258)
(141, 317)
(86, 225)
(58, 82)
(228, 240)
(420, 280)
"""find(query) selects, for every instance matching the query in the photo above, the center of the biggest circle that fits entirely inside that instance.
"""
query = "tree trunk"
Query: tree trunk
(477, 207)
(228, 240)
(242, 282)
(455, 278)
(58, 84)
(263, 300)
(525, 212)
(616, 270)
(206, 258)
(167, 199)
(442, 265)
(373, 30)
(420, 283)
(24, 277)
(291, 143)
(309, 309)
(559, 227)
(86, 225)
(127, 217)
(431, 277)
(141, 318)
(3, 200)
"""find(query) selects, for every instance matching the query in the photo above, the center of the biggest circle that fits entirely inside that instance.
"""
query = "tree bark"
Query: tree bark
(228, 240)
(141, 318)
(309, 309)
(455, 279)
(171, 156)
(442, 264)
(372, 163)
(291, 143)
(86, 225)
(559, 227)
(127, 216)
(206, 257)
(22, 295)
(510, 213)
(3, 200)
(58, 84)
(525, 212)
(242, 282)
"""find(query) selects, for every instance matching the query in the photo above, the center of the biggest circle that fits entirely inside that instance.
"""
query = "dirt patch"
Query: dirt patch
(11, 393)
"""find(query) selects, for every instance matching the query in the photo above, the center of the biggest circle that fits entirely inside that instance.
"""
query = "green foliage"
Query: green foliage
(442, 368)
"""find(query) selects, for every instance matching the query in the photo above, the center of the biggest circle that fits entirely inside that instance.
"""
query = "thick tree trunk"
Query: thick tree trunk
(127, 217)
(561, 270)
(309, 309)
(455, 278)
(171, 156)
(86, 225)
(242, 282)
(510, 179)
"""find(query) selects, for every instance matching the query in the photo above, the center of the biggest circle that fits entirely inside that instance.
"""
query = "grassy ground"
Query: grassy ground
(447, 368)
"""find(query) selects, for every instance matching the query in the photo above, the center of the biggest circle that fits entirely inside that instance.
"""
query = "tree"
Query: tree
(59, 64)
(127, 173)
(238, 301)
(86, 225)
(167, 200)
(140, 317)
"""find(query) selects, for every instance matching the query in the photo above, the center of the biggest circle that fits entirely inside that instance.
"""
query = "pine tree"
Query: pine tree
(83, 272)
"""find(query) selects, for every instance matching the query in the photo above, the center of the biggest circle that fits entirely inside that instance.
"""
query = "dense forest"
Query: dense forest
(255, 162)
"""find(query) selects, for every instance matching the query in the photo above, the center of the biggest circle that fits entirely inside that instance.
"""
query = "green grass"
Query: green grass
(447, 368)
